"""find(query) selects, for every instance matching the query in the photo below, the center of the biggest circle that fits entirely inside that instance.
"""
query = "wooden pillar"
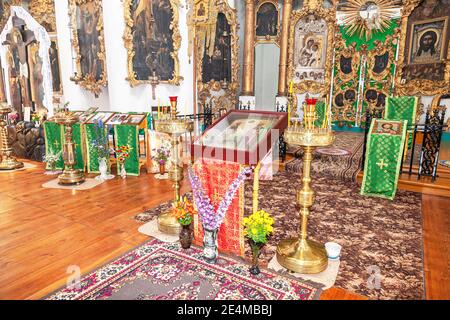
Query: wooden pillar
(284, 43)
(248, 74)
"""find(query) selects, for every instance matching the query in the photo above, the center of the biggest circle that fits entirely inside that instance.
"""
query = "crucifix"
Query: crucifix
(382, 164)
(17, 41)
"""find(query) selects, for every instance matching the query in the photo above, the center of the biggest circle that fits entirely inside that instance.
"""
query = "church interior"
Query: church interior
(224, 150)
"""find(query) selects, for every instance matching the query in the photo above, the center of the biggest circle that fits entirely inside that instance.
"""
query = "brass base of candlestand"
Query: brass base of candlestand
(299, 256)
(9, 163)
(71, 177)
(168, 224)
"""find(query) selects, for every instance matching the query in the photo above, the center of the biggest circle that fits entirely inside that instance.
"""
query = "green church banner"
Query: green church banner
(384, 154)
(54, 142)
(321, 110)
(128, 135)
(91, 152)
(402, 108)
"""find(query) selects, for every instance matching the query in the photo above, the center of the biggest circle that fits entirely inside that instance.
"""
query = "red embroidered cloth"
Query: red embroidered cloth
(216, 177)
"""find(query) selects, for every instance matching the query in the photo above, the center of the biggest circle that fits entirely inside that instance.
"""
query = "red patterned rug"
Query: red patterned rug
(161, 271)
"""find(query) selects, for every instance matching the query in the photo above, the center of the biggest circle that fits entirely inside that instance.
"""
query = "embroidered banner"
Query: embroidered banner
(54, 142)
(216, 177)
(91, 152)
(128, 135)
(384, 153)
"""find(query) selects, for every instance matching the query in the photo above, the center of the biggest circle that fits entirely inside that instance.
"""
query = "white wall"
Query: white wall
(118, 95)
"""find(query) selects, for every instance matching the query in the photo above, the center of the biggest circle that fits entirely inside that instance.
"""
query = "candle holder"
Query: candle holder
(70, 176)
(8, 162)
(301, 254)
(174, 127)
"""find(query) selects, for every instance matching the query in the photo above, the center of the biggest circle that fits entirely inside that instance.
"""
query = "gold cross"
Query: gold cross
(216, 196)
(382, 164)
(56, 144)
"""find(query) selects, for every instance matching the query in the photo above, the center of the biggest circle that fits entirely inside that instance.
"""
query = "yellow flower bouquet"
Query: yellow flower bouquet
(258, 226)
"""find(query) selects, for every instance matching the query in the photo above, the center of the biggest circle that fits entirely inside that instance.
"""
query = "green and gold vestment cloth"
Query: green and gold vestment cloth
(401, 108)
(385, 146)
(91, 151)
(321, 109)
(54, 142)
(128, 135)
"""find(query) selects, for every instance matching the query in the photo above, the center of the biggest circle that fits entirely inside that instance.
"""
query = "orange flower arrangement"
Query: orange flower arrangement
(184, 211)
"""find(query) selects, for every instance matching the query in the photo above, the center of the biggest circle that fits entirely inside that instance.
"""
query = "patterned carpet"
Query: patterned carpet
(159, 271)
(375, 233)
(341, 161)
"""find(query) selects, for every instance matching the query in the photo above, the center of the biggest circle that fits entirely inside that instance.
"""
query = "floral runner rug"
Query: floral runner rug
(381, 239)
(162, 271)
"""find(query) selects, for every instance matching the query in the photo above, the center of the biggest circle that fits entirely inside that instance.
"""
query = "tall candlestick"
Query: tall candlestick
(291, 87)
(289, 113)
(159, 109)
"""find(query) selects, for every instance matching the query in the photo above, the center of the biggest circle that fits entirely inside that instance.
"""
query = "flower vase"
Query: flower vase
(103, 168)
(256, 251)
(186, 236)
(123, 172)
(162, 169)
(210, 250)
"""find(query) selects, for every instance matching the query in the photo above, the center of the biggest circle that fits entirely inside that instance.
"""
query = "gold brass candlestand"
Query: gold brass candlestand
(301, 254)
(174, 127)
(70, 176)
(8, 162)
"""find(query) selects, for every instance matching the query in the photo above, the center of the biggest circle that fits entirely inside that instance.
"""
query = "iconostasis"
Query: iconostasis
(133, 54)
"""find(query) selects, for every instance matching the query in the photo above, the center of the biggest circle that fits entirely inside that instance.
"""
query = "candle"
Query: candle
(159, 109)
(289, 114)
(291, 87)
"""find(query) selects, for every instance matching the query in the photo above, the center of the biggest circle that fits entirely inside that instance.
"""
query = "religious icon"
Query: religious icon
(381, 63)
(218, 65)
(100, 116)
(136, 119)
(310, 50)
(388, 128)
(267, 20)
(345, 64)
(54, 64)
(428, 40)
(152, 39)
(88, 41)
(37, 78)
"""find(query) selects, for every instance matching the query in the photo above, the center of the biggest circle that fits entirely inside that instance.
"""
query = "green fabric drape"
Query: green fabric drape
(128, 135)
(54, 142)
(401, 108)
(383, 159)
(91, 152)
(321, 111)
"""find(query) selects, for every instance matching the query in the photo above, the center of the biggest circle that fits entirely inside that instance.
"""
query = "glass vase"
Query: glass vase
(186, 236)
(256, 251)
(210, 250)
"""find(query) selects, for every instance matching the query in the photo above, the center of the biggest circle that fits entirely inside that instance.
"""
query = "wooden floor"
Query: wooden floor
(45, 231)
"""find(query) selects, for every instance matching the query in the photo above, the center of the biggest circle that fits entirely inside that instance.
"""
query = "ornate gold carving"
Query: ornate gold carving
(128, 40)
(44, 13)
(382, 48)
(88, 81)
(269, 39)
(204, 90)
(379, 14)
(313, 7)
(417, 86)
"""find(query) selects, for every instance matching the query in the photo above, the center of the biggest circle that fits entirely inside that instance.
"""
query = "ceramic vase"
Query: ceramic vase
(186, 236)
(256, 251)
(123, 172)
(210, 250)
(103, 168)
